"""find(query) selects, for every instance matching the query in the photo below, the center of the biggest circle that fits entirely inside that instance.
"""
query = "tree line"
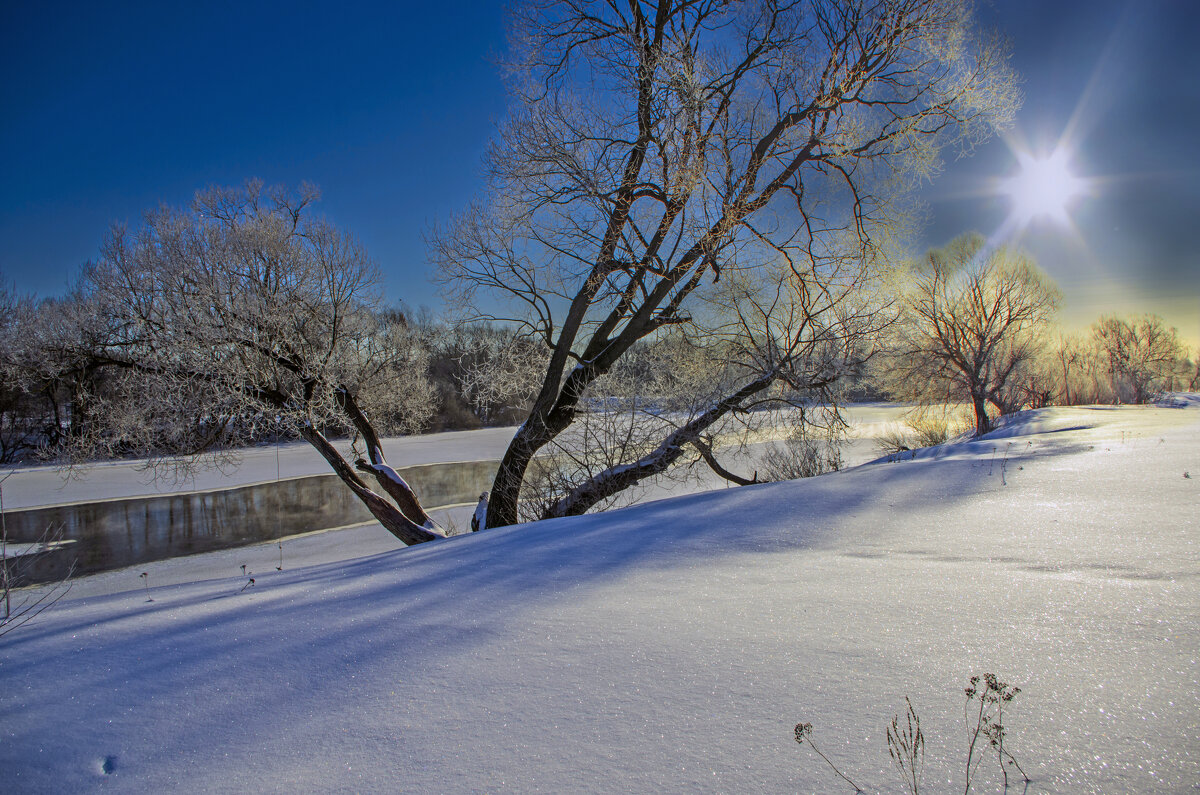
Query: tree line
(976, 326)
(970, 326)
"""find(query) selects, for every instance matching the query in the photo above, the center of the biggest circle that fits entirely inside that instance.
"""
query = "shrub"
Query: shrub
(807, 450)
(895, 440)
(930, 431)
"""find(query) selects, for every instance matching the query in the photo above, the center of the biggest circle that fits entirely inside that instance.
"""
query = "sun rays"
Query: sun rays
(1043, 188)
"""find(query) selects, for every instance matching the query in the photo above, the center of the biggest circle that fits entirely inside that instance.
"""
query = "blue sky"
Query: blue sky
(111, 109)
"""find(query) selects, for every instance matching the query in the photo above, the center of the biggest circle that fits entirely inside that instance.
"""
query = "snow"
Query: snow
(479, 518)
(670, 646)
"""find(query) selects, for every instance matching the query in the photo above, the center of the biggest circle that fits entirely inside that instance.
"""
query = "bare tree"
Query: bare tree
(1142, 357)
(656, 148)
(1073, 364)
(974, 319)
(769, 344)
(498, 370)
(19, 431)
(48, 361)
(246, 314)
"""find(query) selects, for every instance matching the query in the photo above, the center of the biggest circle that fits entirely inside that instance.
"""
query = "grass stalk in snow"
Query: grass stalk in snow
(906, 741)
(803, 735)
(906, 747)
(989, 724)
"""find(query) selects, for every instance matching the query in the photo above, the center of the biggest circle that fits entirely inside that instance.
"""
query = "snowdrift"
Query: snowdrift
(671, 646)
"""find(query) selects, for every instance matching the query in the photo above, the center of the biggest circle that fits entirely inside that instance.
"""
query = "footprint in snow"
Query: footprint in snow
(106, 766)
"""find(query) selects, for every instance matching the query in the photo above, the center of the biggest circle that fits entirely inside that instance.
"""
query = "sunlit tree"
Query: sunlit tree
(655, 149)
(974, 318)
(1142, 356)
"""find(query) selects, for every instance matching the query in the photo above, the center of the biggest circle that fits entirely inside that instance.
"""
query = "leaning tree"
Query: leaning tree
(247, 314)
(654, 151)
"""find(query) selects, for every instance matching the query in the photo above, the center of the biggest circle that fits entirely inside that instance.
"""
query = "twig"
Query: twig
(803, 734)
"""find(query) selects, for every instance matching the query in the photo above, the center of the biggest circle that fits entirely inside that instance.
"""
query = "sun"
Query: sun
(1044, 188)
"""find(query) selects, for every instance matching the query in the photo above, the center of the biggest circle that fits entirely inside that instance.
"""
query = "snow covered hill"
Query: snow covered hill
(671, 646)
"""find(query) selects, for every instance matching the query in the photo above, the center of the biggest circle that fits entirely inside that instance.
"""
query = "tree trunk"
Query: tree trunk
(391, 517)
(506, 487)
(616, 479)
(387, 477)
(982, 425)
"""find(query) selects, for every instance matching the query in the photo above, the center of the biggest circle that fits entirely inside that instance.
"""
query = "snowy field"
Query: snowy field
(670, 646)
